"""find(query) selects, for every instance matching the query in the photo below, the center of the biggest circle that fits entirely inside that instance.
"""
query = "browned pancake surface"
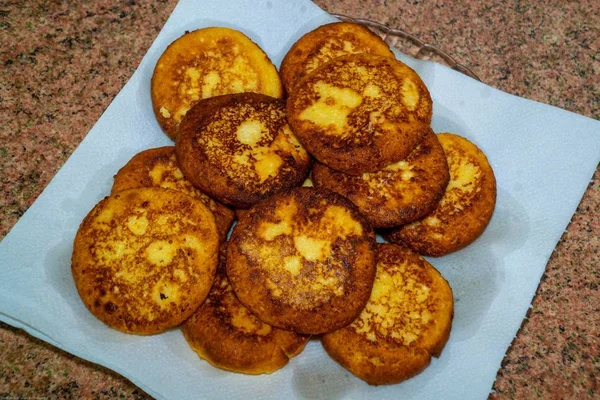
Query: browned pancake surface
(401, 192)
(361, 112)
(240, 149)
(223, 332)
(144, 259)
(241, 211)
(303, 260)
(406, 321)
(326, 43)
(158, 168)
(465, 209)
(205, 63)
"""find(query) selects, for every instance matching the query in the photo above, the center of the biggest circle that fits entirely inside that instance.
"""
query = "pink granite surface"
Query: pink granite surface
(63, 63)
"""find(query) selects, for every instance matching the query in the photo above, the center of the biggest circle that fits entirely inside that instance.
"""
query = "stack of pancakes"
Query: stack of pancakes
(300, 261)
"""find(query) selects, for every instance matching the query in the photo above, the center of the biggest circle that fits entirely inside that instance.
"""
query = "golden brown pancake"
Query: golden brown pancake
(158, 167)
(224, 333)
(406, 321)
(361, 112)
(326, 43)
(239, 149)
(465, 209)
(144, 259)
(303, 260)
(401, 192)
(205, 63)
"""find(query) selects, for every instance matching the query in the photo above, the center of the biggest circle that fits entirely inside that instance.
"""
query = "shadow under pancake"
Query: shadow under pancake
(318, 376)
(475, 278)
(57, 268)
(178, 346)
(444, 120)
(510, 226)
(477, 272)
(247, 386)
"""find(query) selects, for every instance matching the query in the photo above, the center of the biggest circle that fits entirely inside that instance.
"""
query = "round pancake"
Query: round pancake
(223, 332)
(303, 260)
(465, 209)
(239, 149)
(144, 259)
(205, 63)
(158, 168)
(401, 192)
(406, 321)
(361, 112)
(324, 44)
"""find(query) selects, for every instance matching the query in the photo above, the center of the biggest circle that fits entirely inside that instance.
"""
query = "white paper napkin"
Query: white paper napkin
(543, 158)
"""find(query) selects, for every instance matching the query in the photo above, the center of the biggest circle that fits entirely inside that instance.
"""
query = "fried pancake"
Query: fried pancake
(361, 112)
(406, 321)
(144, 259)
(401, 192)
(223, 332)
(239, 148)
(465, 209)
(303, 260)
(158, 167)
(326, 43)
(205, 63)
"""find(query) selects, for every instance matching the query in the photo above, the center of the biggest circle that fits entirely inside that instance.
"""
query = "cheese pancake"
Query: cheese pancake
(406, 321)
(158, 167)
(144, 259)
(326, 43)
(401, 192)
(239, 149)
(205, 63)
(465, 209)
(361, 112)
(223, 332)
(303, 260)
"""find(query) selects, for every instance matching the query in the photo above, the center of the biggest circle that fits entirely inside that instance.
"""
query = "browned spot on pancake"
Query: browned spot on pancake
(110, 307)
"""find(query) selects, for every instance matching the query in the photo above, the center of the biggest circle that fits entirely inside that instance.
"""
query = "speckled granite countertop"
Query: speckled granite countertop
(63, 63)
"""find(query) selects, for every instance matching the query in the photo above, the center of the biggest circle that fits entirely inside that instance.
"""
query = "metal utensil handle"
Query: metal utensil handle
(388, 34)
